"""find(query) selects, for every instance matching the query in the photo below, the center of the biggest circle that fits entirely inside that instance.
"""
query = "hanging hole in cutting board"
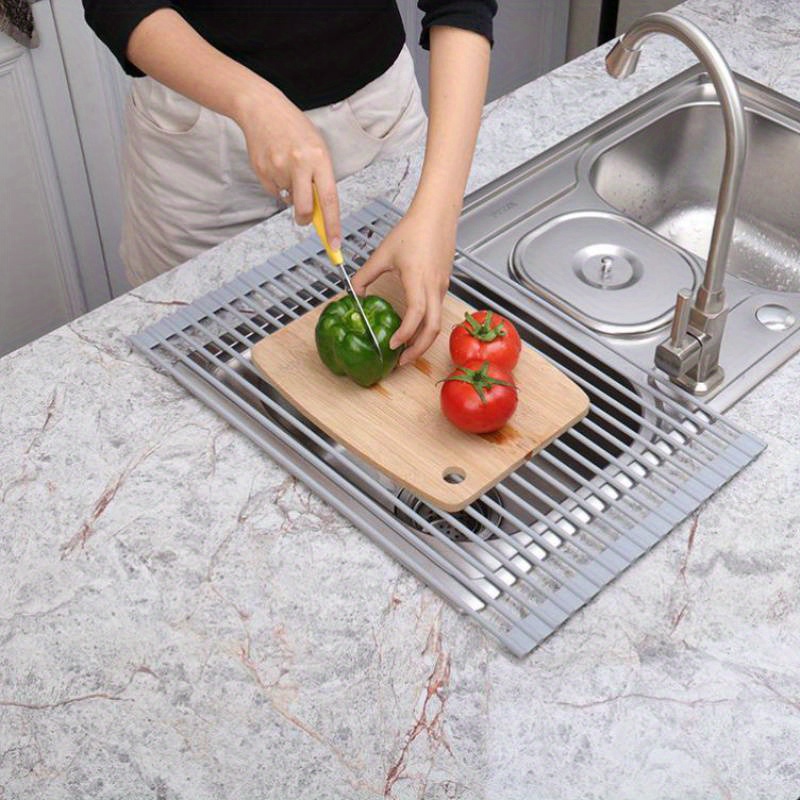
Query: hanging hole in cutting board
(454, 475)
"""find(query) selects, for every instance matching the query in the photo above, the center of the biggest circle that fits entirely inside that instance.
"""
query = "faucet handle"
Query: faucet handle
(680, 322)
(681, 351)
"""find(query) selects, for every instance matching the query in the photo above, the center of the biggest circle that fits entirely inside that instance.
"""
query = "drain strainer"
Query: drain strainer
(575, 259)
(606, 266)
(475, 521)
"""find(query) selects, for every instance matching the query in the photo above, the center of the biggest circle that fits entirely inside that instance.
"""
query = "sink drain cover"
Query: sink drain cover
(605, 270)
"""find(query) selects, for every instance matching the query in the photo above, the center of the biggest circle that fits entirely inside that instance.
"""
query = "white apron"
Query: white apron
(188, 183)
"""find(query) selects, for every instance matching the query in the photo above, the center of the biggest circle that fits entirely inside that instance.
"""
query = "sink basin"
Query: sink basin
(666, 175)
(603, 229)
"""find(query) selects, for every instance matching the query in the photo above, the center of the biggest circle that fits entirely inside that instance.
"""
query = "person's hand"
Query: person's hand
(287, 152)
(420, 249)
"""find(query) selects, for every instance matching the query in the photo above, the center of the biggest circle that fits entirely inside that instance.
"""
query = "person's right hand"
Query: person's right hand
(287, 152)
(285, 149)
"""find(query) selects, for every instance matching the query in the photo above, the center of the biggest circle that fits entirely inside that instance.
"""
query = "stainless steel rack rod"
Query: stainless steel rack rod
(526, 555)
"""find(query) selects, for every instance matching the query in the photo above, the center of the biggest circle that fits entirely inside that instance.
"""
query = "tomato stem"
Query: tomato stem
(483, 331)
(479, 379)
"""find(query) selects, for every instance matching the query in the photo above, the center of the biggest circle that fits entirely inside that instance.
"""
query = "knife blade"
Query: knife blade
(338, 260)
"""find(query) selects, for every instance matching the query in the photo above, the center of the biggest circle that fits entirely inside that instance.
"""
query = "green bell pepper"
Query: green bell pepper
(344, 343)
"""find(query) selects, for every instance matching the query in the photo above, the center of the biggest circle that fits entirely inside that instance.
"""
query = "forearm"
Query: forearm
(166, 47)
(459, 70)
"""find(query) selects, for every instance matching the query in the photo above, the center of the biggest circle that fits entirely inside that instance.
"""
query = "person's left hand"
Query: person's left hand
(420, 249)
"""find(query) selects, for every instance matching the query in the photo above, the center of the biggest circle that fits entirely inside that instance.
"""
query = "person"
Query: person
(238, 108)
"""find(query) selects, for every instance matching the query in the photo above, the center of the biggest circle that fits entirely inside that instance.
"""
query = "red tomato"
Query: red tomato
(479, 397)
(486, 336)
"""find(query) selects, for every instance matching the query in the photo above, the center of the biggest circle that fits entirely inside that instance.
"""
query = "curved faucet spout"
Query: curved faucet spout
(691, 355)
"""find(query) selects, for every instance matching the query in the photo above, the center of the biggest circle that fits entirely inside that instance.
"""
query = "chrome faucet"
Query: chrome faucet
(691, 354)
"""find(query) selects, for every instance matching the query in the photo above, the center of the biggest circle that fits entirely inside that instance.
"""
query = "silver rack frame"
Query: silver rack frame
(529, 553)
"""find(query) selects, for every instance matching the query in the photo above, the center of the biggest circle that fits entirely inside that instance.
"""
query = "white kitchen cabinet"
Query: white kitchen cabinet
(48, 231)
(60, 135)
(98, 88)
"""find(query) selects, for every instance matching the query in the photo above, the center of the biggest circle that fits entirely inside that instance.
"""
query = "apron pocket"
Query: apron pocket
(162, 109)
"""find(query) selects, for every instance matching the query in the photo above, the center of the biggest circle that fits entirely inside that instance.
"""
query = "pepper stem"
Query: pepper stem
(483, 331)
(479, 379)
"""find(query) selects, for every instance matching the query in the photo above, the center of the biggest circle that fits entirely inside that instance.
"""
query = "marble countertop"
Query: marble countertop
(179, 618)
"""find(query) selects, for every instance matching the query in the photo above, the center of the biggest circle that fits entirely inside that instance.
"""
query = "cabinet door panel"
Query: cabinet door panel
(98, 88)
(39, 283)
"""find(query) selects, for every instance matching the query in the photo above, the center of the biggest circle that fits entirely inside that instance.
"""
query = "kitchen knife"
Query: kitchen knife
(338, 260)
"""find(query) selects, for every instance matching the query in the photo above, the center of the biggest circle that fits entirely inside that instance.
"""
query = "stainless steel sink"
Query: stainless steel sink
(609, 224)
(665, 176)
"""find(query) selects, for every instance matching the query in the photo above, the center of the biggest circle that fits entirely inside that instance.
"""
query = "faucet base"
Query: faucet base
(690, 383)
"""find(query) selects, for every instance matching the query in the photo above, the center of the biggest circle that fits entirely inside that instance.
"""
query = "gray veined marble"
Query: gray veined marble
(180, 619)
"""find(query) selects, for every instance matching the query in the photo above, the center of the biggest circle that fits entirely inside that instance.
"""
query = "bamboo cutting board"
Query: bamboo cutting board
(397, 425)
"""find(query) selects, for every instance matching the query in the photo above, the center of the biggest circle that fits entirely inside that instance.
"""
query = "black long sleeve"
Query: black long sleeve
(316, 51)
(113, 22)
(472, 15)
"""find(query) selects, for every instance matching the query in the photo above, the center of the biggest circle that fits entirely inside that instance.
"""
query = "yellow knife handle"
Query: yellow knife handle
(319, 225)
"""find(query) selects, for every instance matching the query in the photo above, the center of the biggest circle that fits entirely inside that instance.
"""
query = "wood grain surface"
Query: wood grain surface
(397, 425)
